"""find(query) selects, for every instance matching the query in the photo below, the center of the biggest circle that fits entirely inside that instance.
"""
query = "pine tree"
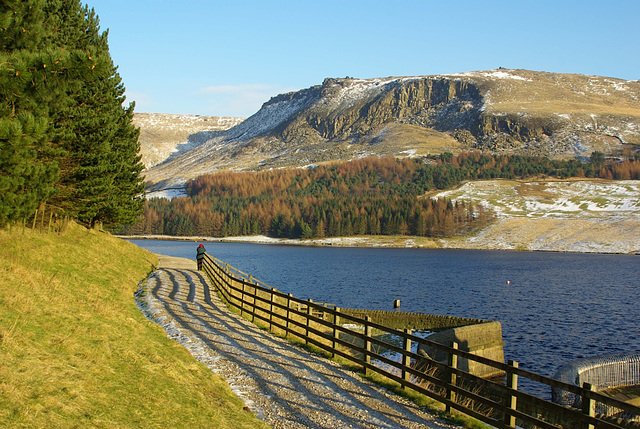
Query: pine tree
(28, 84)
(24, 180)
(81, 153)
(100, 180)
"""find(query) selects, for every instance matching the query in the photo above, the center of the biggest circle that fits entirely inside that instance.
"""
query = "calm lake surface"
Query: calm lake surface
(556, 307)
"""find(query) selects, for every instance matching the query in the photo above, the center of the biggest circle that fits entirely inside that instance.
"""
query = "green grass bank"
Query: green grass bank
(75, 351)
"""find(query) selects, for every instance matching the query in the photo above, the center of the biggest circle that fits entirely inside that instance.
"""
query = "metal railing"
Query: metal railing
(603, 372)
(498, 403)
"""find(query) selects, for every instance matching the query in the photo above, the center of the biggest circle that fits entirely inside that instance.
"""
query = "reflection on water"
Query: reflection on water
(553, 307)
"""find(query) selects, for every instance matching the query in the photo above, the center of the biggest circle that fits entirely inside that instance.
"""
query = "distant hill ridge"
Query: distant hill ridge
(163, 135)
(515, 111)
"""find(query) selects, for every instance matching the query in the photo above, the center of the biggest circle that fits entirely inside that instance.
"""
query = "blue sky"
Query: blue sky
(226, 58)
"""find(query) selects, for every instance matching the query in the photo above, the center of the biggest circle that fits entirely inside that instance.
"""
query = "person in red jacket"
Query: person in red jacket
(200, 256)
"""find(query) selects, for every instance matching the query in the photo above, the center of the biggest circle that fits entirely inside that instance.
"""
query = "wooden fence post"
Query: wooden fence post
(255, 291)
(453, 364)
(367, 345)
(306, 333)
(336, 333)
(286, 330)
(229, 281)
(242, 299)
(271, 309)
(406, 360)
(588, 404)
(512, 400)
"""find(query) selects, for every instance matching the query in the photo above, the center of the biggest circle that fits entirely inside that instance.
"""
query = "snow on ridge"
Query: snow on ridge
(355, 90)
(267, 118)
(505, 75)
(271, 115)
(496, 74)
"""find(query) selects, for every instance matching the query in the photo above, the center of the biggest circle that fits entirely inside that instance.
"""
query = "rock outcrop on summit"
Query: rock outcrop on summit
(513, 111)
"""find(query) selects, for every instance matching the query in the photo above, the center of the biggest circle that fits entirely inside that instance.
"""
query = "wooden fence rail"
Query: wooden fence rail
(326, 327)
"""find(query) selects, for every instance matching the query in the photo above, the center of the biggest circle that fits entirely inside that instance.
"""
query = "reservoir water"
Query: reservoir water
(554, 307)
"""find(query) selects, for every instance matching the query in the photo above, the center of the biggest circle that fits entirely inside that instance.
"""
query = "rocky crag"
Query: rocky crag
(515, 111)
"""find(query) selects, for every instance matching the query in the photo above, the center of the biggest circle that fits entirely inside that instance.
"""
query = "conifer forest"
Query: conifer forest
(369, 196)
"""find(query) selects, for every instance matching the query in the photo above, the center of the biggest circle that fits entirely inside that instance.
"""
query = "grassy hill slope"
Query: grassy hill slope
(560, 215)
(75, 351)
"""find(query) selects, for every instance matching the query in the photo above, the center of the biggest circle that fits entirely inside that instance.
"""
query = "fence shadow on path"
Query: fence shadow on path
(283, 384)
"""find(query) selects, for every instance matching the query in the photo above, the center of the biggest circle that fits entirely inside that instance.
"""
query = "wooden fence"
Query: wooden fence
(361, 341)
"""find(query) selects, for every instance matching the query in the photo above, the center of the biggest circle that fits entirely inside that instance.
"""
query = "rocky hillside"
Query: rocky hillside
(163, 135)
(558, 115)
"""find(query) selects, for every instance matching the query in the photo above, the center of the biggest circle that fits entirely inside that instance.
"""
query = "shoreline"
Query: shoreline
(389, 242)
(354, 241)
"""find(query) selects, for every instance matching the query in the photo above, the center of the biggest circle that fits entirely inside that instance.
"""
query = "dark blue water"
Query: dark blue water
(556, 307)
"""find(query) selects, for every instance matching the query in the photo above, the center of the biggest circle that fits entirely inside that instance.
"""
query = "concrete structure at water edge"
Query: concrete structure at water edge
(603, 373)
(481, 339)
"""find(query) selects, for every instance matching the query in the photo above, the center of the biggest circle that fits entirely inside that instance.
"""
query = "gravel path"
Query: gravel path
(284, 385)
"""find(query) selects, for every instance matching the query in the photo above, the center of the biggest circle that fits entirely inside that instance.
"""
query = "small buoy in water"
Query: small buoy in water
(508, 282)
(396, 303)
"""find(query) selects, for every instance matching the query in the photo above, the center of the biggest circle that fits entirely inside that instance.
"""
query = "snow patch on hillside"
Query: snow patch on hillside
(563, 216)
(355, 91)
(270, 116)
(570, 199)
(167, 193)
